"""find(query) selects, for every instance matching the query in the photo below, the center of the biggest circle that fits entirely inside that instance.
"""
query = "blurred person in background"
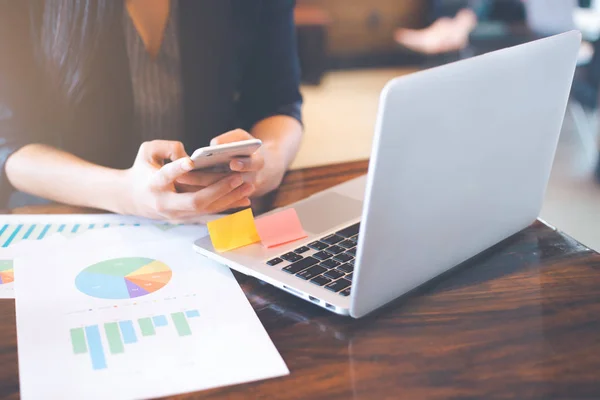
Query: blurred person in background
(454, 20)
(102, 101)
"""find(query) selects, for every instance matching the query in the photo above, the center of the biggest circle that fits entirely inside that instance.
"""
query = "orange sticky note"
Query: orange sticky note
(233, 231)
(280, 228)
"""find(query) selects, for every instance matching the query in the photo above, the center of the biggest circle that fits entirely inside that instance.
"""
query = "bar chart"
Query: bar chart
(11, 234)
(89, 340)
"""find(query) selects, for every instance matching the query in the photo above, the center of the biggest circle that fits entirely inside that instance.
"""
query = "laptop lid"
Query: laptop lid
(460, 161)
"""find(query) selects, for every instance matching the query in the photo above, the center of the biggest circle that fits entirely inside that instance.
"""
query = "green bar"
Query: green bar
(146, 327)
(78, 341)
(115, 343)
(183, 328)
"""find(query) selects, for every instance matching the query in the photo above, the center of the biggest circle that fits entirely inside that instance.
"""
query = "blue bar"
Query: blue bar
(61, 228)
(12, 236)
(160, 320)
(122, 224)
(92, 333)
(106, 225)
(91, 226)
(128, 332)
(137, 224)
(75, 228)
(5, 227)
(44, 231)
(192, 313)
(31, 228)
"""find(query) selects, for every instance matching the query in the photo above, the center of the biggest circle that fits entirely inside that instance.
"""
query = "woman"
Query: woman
(87, 84)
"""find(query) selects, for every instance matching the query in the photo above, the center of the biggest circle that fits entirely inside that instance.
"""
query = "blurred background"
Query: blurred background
(349, 49)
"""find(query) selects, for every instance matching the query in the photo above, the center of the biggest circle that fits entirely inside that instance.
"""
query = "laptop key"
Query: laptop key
(320, 280)
(318, 245)
(351, 262)
(333, 274)
(347, 268)
(349, 231)
(330, 264)
(322, 255)
(345, 292)
(274, 261)
(349, 276)
(347, 244)
(291, 257)
(354, 238)
(301, 250)
(338, 285)
(334, 249)
(352, 252)
(311, 272)
(332, 239)
(343, 257)
(300, 265)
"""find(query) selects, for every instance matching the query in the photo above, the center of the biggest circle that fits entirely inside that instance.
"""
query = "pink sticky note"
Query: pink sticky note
(279, 228)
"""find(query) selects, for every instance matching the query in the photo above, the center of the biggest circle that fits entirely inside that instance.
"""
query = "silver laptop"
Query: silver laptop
(460, 161)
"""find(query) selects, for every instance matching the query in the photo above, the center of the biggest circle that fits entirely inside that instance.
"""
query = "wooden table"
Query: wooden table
(522, 321)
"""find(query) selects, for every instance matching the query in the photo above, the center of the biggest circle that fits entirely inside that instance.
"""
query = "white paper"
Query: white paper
(22, 231)
(227, 344)
(23, 248)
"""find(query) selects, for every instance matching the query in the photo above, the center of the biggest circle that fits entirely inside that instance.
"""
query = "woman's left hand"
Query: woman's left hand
(264, 169)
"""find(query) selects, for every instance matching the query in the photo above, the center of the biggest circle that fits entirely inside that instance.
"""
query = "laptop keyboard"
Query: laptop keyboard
(327, 262)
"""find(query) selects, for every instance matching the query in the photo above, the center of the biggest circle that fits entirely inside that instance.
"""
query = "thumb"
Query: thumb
(159, 150)
(236, 135)
(168, 173)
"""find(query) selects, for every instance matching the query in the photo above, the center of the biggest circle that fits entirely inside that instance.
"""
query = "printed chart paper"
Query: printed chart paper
(23, 231)
(8, 256)
(134, 319)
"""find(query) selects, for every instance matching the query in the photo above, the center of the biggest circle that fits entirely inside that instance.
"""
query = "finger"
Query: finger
(199, 201)
(200, 178)
(168, 173)
(246, 164)
(181, 188)
(243, 203)
(226, 202)
(231, 136)
(249, 177)
(160, 150)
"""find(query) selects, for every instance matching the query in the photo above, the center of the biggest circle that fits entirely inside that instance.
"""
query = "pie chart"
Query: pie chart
(123, 278)
(6, 272)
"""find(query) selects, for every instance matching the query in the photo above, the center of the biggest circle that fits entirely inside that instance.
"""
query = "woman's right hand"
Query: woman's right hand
(152, 191)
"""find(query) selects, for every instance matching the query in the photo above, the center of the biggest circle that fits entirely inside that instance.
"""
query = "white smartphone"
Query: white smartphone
(219, 156)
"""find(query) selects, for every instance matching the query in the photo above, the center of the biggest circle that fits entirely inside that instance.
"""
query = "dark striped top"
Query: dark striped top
(157, 90)
(226, 47)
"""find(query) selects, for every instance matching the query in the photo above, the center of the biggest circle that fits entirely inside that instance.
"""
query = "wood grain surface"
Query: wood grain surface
(521, 321)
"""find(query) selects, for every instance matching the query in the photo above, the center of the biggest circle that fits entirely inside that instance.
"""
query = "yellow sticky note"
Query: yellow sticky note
(233, 231)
